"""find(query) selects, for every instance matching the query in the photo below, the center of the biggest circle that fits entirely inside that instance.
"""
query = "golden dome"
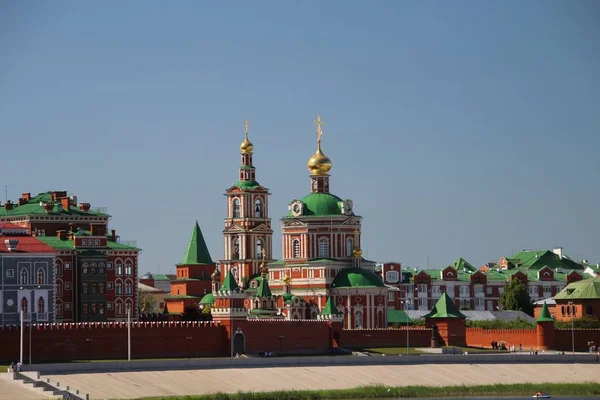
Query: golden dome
(246, 146)
(319, 163)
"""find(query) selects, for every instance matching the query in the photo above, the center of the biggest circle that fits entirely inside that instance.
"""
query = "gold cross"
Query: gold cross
(319, 125)
(246, 127)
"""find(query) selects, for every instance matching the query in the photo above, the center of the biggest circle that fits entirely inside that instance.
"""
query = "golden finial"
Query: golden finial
(263, 268)
(319, 163)
(246, 146)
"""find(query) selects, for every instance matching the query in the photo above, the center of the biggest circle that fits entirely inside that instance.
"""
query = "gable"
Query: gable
(421, 277)
(351, 221)
(449, 274)
(262, 228)
(478, 278)
(233, 228)
(295, 223)
(545, 274)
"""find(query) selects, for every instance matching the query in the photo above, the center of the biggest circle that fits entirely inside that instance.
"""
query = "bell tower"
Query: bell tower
(247, 230)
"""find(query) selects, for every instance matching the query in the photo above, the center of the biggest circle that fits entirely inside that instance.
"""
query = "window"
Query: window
(59, 308)
(84, 242)
(589, 310)
(422, 302)
(94, 288)
(101, 288)
(547, 290)
(41, 308)
(500, 290)
(422, 288)
(108, 265)
(533, 290)
(236, 249)
(67, 285)
(236, 208)
(93, 308)
(488, 290)
(67, 306)
(296, 248)
(58, 270)
(59, 288)
(93, 269)
(109, 305)
(119, 309)
(85, 309)
(10, 273)
(109, 285)
(84, 288)
(478, 289)
(349, 247)
(40, 277)
(464, 291)
(128, 289)
(259, 248)
(128, 268)
(119, 288)
(392, 276)
(68, 266)
(390, 296)
(258, 208)
(119, 268)
(24, 304)
(85, 268)
(323, 247)
(101, 268)
(101, 308)
(97, 242)
(23, 278)
(435, 291)
(479, 301)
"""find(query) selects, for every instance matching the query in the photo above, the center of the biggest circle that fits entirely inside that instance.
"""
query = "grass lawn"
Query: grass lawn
(391, 351)
(390, 392)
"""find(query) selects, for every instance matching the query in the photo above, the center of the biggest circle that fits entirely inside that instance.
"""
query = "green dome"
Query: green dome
(356, 277)
(321, 204)
(208, 298)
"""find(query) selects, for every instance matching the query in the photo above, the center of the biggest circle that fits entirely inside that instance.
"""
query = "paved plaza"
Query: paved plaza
(131, 385)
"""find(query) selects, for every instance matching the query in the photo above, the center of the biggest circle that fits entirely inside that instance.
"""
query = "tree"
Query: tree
(516, 297)
(146, 302)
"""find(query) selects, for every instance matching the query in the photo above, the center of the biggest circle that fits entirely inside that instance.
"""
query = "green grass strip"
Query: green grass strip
(383, 392)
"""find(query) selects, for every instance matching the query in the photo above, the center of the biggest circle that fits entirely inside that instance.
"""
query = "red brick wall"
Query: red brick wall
(478, 337)
(355, 338)
(563, 339)
(109, 341)
(298, 336)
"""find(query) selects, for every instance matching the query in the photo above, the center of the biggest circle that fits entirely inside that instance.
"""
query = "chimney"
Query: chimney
(65, 203)
(11, 244)
(48, 207)
(113, 235)
(26, 196)
(61, 234)
(85, 207)
(71, 227)
(558, 252)
(8, 205)
(21, 201)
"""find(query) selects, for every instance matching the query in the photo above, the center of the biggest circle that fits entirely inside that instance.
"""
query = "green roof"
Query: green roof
(197, 251)
(461, 264)
(263, 289)
(585, 289)
(208, 298)
(538, 259)
(160, 277)
(330, 308)
(288, 297)
(247, 185)
(181, 296)
(33, 207)
(445, 308)
(356, 277)
(321, 204)
(56, 243)
(229, 284)
(398, 317)
(545, 315)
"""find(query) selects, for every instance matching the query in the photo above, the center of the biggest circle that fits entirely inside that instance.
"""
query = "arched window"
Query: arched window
(349, 246)
(258, 209)
(128, 290)
(41, 308)
(119, 308)
(128, 267)
(119, 268)
(23, 276)
(119, 288)
(24, 304)
(40, 277)
(259, 248)
(392, 276)
(236, 208)
(101, 268)
(323, 247)
(236, 249)
(59, 308)
(84, 268)
(93, 269)
(358, 319)
(296, 247)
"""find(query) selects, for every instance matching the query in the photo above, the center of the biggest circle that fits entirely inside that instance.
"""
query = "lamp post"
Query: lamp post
(405, 303)
(572, 306)
(21, 342)
(128, 332)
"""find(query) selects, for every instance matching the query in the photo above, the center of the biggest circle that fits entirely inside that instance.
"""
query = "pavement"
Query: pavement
(10, 390)
(132, 385)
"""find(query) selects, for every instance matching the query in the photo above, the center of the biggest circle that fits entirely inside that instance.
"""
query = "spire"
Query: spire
(197, 251)
(445, 308)
(229, 284)
(330, 308)
(166, 309)
(545, 315)
(263, 289)
(246, 146)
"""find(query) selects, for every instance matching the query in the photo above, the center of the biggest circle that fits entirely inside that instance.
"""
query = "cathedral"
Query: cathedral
(322, 272)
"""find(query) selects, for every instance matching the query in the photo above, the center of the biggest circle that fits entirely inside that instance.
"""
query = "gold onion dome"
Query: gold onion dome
(319, 163)
(246, 146)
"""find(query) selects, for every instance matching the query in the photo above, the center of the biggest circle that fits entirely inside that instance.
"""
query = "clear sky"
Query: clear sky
(458, 128)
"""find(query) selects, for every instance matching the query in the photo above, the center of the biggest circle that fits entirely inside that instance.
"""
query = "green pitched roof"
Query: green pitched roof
(208, 298)
(197, 251)
(461, 264)
(445, 308)
(356, 277)
(537, 259)
(330, 308)
(545, 315)
(34, 207)
(229, 284)
(398, 316)
(263, 289)
(247, 185)
(586, 289)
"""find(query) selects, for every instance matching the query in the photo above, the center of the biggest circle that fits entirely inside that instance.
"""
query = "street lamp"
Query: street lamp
(572, 309)
(128, 332)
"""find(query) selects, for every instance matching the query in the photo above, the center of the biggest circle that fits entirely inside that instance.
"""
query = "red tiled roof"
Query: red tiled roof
(8, 225)
(27, 244)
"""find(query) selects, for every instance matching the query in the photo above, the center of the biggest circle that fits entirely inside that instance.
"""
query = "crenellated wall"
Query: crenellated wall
(358, 338)
(478, 337)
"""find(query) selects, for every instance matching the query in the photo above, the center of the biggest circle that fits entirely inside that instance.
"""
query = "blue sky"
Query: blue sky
(458, 128)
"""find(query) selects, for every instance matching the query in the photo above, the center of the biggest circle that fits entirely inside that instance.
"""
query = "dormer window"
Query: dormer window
(392, 276)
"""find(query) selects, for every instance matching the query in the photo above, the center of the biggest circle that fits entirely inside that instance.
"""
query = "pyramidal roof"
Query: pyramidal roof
(330, 308)
(197, 251)
(445, 308)
(229, 284)
(545, 315)
(263, 289)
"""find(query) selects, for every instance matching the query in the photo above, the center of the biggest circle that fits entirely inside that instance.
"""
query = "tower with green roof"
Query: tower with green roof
(247, 224)
(447, 321)
(264, 303)
(545, 329)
